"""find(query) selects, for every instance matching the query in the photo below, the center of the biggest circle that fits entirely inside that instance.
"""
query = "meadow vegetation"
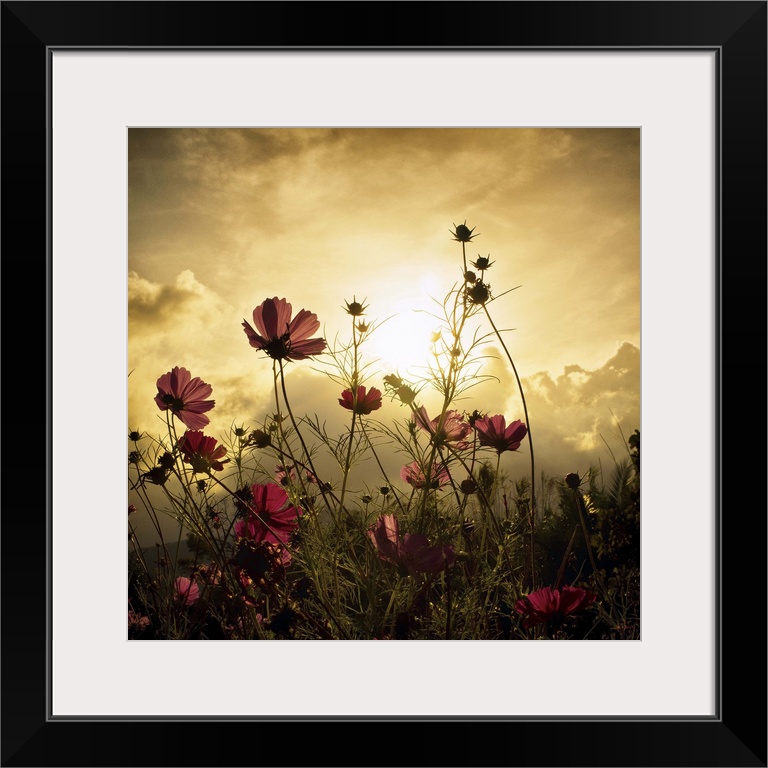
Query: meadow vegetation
(454, 547)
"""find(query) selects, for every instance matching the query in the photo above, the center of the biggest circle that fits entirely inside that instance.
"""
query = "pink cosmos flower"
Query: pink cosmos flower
(551, 606)
(453, 430)
(412, 552)
(185, 397)
(271, 517)
(363, 403)
(281, 337)
(493, 432)
(186, 591)
(285, 475)
(413, 474)
(201, 452)
(136, 620)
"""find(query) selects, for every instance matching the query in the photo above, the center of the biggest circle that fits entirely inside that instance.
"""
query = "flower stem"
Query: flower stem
(582, 512)
(320, 484)
(345, 468)
(353, 388)
(532, 511)
(381, 468)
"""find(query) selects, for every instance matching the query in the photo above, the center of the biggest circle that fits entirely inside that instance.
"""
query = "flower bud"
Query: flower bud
(572, 480)
(483, 262)
(468, 486)
(167, 461)
(478, 293)
(474, 417)
(463, 233)
(156, 475)
(260, 439)
(355, 308)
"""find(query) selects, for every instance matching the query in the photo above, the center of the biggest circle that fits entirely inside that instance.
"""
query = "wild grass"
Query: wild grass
(450, 548)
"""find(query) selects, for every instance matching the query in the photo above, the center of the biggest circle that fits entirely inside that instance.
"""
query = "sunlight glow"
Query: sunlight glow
(402, 343)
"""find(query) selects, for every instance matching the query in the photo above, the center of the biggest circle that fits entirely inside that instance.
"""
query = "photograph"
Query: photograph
(384, 383)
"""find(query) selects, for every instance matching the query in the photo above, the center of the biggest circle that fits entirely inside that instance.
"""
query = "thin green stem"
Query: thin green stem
(320, 483)
(345, 468)
(532, 512)
(381, 468)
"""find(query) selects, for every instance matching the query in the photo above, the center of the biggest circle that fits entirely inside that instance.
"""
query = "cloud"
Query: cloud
(158, 304)
(580, 416)
(574, 417)
(183, 323)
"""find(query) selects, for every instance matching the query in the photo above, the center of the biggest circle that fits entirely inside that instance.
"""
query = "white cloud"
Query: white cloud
(578, 417)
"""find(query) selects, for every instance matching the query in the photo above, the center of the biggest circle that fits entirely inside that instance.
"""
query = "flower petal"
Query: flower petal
(303, 325)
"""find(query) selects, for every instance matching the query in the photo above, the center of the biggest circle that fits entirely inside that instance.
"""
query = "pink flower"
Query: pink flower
(412, 553)
(279, 336)
(186, 591)
(185, 397)
(385, 537)
(136, 621)
(201, 452)
(551, 606)
(285, 475)
(413, 474)
(361, 403)
(453, 430)
(493, 432)
(271, 517)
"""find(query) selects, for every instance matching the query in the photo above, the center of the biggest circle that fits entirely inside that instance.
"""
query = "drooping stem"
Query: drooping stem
(532, 512)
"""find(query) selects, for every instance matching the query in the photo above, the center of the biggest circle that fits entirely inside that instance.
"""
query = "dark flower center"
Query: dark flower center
(278, 349)
(199, 463)
(173, 402)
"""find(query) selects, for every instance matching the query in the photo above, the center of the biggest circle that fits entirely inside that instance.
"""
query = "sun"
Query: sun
(401, 342)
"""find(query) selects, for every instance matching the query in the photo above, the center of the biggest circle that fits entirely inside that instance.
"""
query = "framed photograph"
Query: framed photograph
(185, 169)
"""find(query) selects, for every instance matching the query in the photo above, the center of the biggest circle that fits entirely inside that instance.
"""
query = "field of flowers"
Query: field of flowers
(452, 548)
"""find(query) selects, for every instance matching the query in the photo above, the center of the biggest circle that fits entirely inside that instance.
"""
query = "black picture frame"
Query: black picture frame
(736, 736)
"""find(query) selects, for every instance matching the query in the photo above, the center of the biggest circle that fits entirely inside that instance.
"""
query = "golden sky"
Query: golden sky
(220, 219)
